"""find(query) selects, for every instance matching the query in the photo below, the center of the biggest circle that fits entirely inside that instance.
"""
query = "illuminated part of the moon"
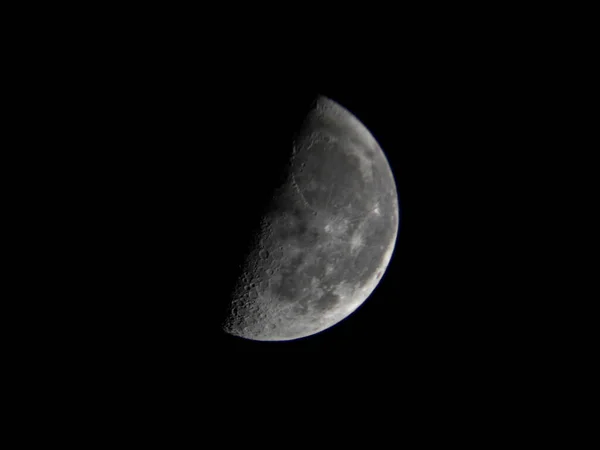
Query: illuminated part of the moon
(328, 237)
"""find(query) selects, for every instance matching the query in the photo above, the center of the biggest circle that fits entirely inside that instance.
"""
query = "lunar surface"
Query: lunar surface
(327, 236)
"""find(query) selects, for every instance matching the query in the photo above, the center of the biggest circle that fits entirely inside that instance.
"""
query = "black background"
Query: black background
(166, 161)
(187, 171)
(147, 147)
(166, 180)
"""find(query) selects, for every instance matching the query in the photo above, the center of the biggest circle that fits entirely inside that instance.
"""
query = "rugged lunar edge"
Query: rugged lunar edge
(328, 236)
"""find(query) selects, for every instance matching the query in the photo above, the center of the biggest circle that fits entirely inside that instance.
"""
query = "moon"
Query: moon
(327, 236)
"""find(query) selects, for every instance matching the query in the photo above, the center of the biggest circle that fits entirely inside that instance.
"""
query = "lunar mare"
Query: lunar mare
(328, 235)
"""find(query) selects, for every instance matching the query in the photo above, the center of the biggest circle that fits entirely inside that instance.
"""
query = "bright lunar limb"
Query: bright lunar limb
(327, 237)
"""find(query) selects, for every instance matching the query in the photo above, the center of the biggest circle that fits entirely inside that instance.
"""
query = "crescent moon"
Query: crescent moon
(327, 237)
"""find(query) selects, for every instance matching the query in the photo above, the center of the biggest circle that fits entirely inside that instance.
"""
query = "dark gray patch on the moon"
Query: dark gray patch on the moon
(326, 302)
(288, 287)
(328, 234)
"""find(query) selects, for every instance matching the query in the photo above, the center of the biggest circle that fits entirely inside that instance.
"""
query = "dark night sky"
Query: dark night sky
(157, 153)
(159, 150)
(201, 175)
(192, 188)
(181, 158)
